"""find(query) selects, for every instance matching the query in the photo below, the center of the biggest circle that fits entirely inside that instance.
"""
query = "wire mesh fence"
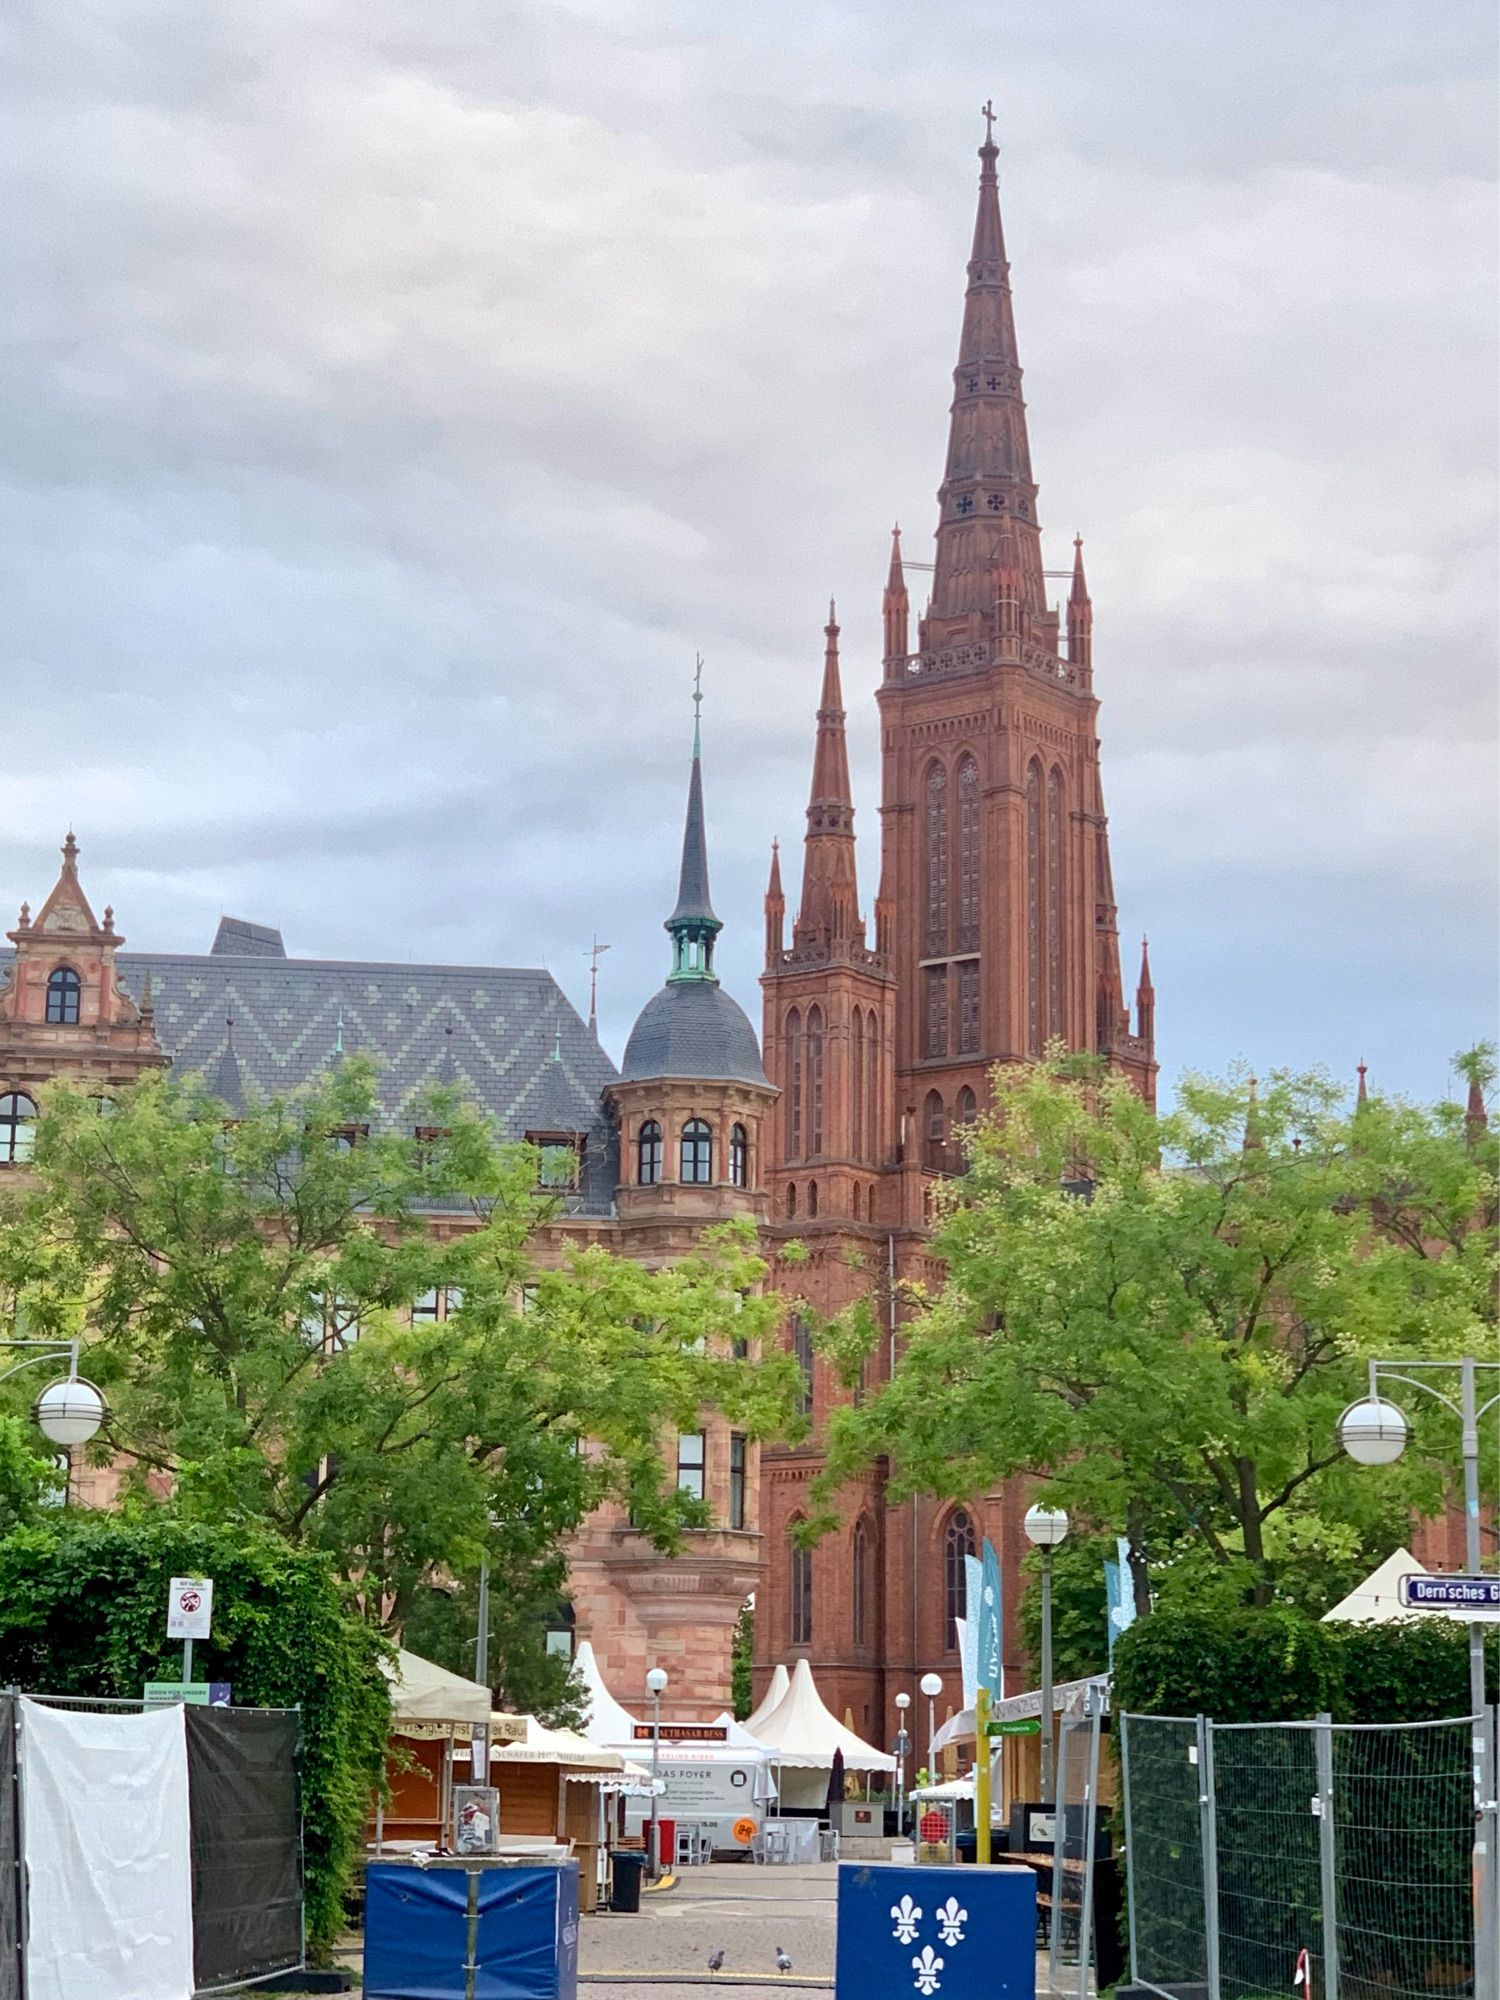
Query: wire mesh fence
(1316, 1858)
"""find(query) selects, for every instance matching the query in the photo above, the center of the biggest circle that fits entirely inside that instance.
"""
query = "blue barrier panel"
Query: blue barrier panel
(935, 1933)
(418, 1922)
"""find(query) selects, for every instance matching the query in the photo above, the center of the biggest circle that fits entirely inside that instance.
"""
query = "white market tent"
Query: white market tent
(426, 1700)
(738, 1734)
(802, 1734)
(781, 1680)
(1378, 1599)
(604, 1721)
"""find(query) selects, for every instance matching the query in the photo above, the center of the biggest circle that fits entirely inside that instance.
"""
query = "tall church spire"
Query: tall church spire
(693, 926)
(988, 542)
(830, 897)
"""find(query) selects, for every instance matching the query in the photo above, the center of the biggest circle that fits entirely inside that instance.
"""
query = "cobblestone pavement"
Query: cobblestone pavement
(730, 1905)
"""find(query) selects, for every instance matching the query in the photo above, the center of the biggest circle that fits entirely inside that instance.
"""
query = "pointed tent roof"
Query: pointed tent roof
(427, 1700)
(804, 1734)
(604, 1720)
(781, 1680)
(739, 1736)
(1377, 1601)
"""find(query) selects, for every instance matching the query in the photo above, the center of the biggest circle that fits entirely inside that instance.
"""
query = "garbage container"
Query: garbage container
(966, 1843)
(627, 1868)
(451, 1929)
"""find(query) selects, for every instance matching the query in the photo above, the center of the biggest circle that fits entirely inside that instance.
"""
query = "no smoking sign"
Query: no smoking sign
(190, 1603)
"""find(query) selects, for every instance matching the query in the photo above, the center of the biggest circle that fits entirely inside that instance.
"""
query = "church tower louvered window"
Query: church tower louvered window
(968, 855)
(937, 860)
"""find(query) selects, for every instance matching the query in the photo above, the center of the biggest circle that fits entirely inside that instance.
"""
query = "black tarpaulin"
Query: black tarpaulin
(246, 1843)
(10, 1879)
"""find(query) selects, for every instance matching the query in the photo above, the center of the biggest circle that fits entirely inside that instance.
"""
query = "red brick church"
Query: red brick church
(995, 932)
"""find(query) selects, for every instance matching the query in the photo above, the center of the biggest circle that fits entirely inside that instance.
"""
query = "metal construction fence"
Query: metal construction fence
(1251, 1844)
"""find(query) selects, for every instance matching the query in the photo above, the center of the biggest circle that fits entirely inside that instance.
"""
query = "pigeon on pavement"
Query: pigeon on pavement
(783, 1963)
(716, 1960)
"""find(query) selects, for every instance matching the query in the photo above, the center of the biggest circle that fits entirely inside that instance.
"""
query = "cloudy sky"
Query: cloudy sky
(396, 396)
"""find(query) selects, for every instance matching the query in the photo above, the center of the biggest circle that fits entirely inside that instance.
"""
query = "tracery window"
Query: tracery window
(966, 1110)
(958, 1542)
(648, 1154)
(1034, 1036)
(857, 1081)
(64, 992)
(935, 1122)
(739, 1157)
(802, 1353)
(968, 855)
(697, 1164)
(968, 1007)
(936, 977)
(799, 1562)
(814, 1081)
(17, 1129)
(1056, 1023)
(794, 1085)
(937, 859)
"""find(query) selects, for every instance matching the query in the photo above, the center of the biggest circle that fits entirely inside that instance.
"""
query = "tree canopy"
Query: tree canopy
(243, 1284)
(1165, 1316)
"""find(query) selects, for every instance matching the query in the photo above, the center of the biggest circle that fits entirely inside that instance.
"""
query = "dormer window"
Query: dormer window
(344, 1138)
(561, 1159)
(64, 996)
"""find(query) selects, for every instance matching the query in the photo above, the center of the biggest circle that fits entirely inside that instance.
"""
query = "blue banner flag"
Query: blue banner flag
(990, 1611)
(968, 1640)
(1119, 1590)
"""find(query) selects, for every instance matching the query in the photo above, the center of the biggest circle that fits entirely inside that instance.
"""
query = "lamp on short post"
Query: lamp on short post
(656, 1687)
(1045, 1528)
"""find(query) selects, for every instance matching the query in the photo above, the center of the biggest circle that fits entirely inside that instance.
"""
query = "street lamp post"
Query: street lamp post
(1045, 1528)
(1374, 1432)
(903, 1744)
(656, 1687)
(932, 1686)
(69, 1411)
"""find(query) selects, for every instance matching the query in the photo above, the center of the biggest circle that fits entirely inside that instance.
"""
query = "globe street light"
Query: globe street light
(1374, 1432)
(932, 1686)
(656, 1687)
(1045, 1527)
(903, 1744)
(70, 1412)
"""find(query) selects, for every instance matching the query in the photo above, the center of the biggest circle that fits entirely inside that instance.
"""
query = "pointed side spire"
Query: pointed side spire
(1362, 1095)
(692, 925)
(1145, 998)
(830, 899)
(897, 609)
(228, 1086)
(1252, 1142)
(1080, 613)
(775, 912)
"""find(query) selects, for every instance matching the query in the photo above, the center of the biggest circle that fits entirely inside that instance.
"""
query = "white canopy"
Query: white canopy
(738, 1735)
(802, 1733)
(1378, 1598)
(426, 1700)
(604, 1720)
(781, 1680)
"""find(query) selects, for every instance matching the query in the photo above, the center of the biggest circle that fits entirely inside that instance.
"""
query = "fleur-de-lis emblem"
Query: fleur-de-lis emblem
(951, 1920)
(927, 1965)
(905, 1915)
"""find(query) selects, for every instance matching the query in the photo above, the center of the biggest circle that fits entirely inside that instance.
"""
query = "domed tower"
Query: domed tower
(693, 1098)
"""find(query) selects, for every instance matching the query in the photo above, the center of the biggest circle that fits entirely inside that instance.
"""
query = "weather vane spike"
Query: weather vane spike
(697, 703)
(989, 121)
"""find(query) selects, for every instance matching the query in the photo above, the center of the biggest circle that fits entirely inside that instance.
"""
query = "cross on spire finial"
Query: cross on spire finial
(989, 122)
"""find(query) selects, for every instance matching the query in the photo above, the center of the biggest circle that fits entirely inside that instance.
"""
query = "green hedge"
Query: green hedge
(1279, 1665)
(83, 1611)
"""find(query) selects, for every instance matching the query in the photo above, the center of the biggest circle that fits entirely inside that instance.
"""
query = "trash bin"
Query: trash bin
(966, 1843)
(628, 1865)
(452, 1929)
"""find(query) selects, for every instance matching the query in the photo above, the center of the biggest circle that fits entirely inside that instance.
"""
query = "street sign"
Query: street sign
(1468, 1597)
(190, 1603)
(1023, 1726)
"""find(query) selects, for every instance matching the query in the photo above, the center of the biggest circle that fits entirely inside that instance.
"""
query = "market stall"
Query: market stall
(432, 1712)
(803, 1736)
(555, 1790)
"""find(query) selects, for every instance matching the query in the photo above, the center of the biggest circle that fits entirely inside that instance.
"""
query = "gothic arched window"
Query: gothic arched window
(858, 1200)
(967, 1108)
(872, 1086)
(802, 1352)
(812, 1198)
(958, 1542)
(814, 1081)
(1034, 924)
(1055, 1022)
(791, 1197)
(937, 859)
(935, 1127)
(800, 1605)
(697, 1154)
(64, 992)
(739, 1157)
(648, 1154)
(968, 855)
(17, 1128)
(857, 1081)
(860, 1581)
(794, 1085)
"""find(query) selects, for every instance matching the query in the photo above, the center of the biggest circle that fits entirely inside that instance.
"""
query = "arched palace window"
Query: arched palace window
(697, 1154)
(958, 1542)
(739, 1157)
(17, 1128)
(64, 992)
(648, 1154)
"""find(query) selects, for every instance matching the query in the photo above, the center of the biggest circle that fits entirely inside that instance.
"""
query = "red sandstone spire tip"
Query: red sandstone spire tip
(1080, 591)
(773, 887)
(1476, 1117)
(1362, 1095)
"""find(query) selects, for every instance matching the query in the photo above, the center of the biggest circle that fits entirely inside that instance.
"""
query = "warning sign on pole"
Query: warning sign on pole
(190, 1603)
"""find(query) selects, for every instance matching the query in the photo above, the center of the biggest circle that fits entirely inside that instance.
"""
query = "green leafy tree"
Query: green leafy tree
(1164, 1316)
(243, 1287)
(443, 1622)
(742, 1661)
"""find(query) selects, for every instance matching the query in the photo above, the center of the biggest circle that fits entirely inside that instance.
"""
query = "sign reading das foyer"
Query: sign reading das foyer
(1466, 1596)
(190, 1604)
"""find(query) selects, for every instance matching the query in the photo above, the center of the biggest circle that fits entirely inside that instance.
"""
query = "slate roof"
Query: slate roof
(491, 1030)
(693, 1028)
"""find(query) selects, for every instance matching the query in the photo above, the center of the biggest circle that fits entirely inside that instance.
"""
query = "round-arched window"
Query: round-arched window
(17, 1128)
(697, 1153)
(648, 1154)
(739, 1157)
(64, 994)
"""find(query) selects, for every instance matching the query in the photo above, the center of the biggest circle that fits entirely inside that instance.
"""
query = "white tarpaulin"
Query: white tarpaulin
(105, 1841)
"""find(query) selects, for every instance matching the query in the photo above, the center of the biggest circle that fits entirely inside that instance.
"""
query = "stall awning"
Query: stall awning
(426, 1700)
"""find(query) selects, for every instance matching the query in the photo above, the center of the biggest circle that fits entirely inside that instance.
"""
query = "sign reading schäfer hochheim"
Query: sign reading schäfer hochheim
(1466, 1596)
